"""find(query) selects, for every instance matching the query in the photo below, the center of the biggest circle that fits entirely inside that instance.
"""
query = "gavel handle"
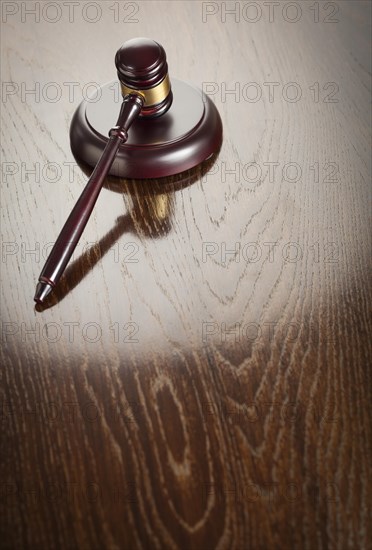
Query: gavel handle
(77, 220)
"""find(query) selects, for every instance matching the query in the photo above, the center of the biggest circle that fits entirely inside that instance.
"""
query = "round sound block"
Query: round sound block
(188, 133)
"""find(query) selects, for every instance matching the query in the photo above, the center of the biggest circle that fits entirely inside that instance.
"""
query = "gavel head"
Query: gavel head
(142, 69)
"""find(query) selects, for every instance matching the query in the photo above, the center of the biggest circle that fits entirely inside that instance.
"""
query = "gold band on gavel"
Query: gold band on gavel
(152, 96)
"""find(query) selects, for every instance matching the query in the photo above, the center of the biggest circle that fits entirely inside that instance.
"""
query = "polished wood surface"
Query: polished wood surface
(193, 385)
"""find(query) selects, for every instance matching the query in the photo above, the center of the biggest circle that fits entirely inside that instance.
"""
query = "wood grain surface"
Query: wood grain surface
(201, 378)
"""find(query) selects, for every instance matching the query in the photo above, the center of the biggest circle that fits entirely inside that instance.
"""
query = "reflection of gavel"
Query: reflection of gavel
(173, 131)
(143, 74)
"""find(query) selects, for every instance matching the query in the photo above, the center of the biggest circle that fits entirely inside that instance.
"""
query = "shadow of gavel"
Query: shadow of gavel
(150, 216)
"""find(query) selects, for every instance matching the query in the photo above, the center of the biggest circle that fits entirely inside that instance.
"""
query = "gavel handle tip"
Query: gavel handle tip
(42, 291)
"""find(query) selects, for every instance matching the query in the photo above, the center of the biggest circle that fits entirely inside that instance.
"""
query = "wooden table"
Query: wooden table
(202, 378)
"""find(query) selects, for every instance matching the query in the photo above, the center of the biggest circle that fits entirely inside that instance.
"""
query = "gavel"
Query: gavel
(147, 97)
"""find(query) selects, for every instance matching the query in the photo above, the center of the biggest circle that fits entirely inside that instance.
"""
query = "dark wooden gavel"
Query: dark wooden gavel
(143, 73)
(173, 130)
